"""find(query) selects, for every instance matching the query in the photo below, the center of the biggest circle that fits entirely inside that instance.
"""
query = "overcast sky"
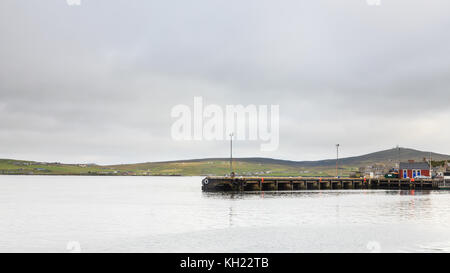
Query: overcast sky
(97, 82)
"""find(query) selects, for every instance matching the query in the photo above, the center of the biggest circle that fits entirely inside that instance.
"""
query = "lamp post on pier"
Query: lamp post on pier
(231, 155)
(337, 160)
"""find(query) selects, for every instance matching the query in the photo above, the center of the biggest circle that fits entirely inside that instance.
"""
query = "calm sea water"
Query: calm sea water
(172, 214)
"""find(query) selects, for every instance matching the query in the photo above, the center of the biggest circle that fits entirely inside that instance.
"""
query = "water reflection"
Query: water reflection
(230, 217)
(154, 214)
(309, 193)
(261, 208)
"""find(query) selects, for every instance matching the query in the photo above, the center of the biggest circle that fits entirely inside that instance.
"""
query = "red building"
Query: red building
(414, 169)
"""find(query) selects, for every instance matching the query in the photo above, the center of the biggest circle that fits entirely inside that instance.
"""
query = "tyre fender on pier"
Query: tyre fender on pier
(205, 181)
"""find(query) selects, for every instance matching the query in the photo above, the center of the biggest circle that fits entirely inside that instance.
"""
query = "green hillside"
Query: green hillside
(9, 166)
(221, 166)
(188, 168)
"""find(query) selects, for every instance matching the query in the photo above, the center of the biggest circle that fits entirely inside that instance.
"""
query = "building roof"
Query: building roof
(415, 165)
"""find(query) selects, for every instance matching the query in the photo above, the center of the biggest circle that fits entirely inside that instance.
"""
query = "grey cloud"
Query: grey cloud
(98, 81)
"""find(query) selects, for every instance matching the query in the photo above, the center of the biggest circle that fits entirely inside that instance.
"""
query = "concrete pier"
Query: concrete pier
(224, 183)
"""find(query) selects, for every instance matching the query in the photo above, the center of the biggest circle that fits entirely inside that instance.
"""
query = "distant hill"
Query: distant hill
(386, 156)
(221, 166)
(269, 166)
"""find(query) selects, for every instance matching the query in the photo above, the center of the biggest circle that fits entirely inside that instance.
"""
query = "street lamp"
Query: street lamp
(231, 154)
(431, 166)
(337, 160)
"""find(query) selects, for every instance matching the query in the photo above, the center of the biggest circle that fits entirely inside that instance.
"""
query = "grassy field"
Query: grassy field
(30, 167)
(218, 167)
(202, 168)
(221, 166)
